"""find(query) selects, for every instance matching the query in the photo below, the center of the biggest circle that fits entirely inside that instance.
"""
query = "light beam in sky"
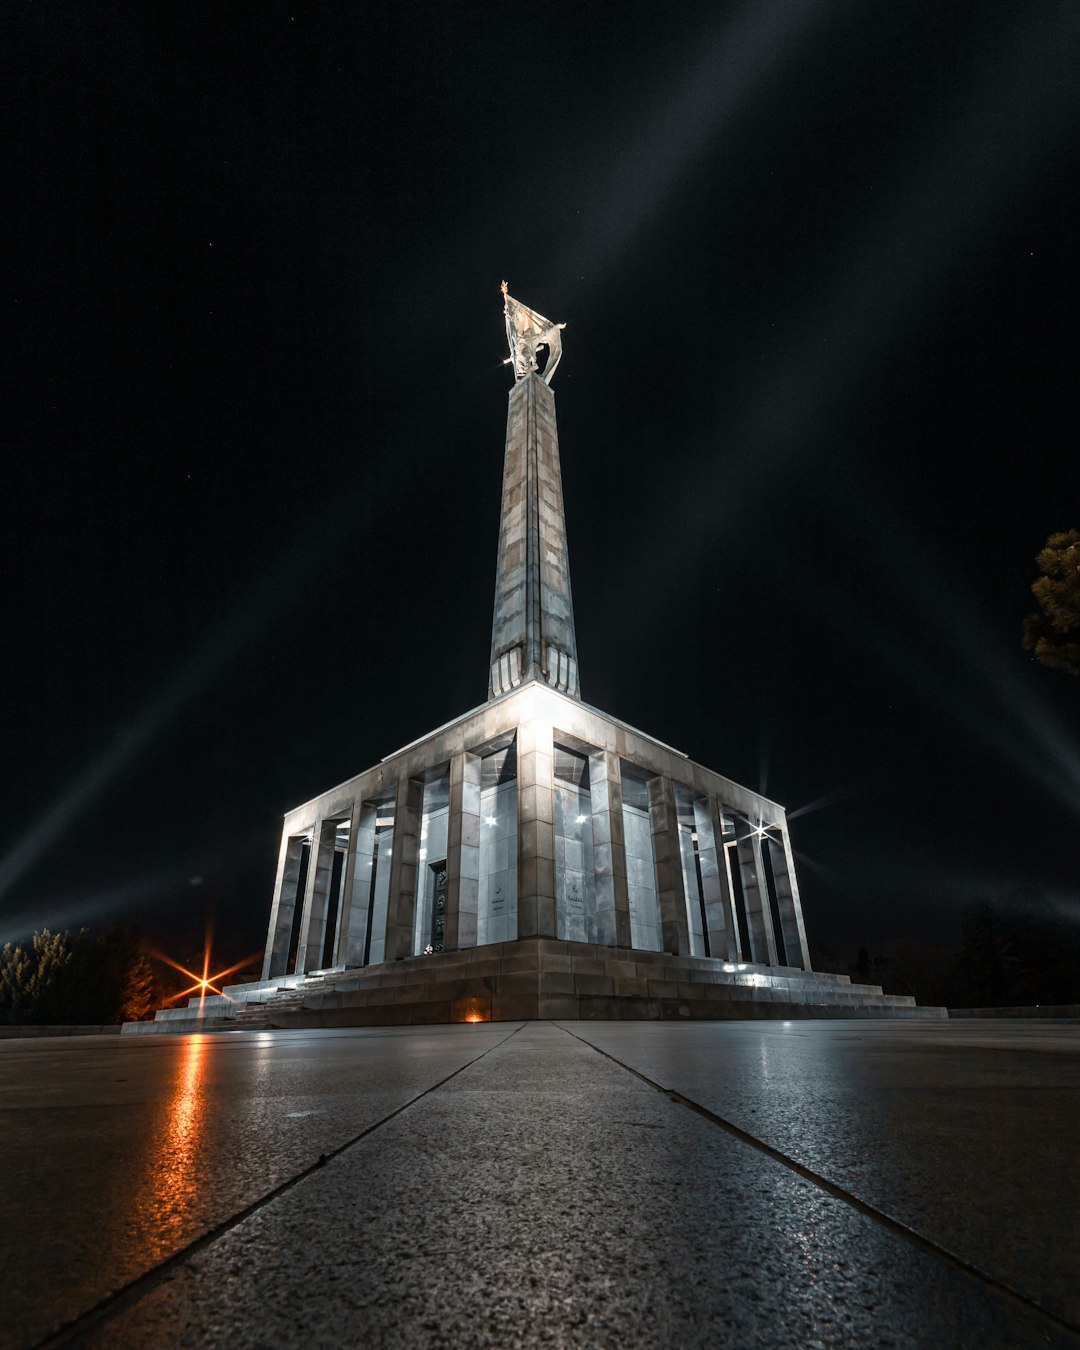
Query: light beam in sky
(314, 548)
(933, 217)
(1033, 740)
(833, 798)
(730, 69)
(67, 909)
(976, 654)
(933, 220)
(931, 226)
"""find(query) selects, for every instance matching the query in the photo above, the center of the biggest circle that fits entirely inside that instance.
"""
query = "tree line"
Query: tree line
(1053, 633)
(1017, 951)
(77, 979)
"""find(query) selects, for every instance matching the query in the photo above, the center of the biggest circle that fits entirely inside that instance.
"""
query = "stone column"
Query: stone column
(320, 871)
(401, 906)
(787, 901)
(728, 855)
(664, 821)
(756, 899)
(356, 887)
(722, 930)
(536, 908)
(284, 906)
(463, 853)
(469, 887)
(609, 850)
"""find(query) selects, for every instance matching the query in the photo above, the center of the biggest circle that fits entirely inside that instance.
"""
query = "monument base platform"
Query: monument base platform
(534, 979)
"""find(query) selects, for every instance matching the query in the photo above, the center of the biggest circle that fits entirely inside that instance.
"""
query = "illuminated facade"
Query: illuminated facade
(534, 815)
(535, 858)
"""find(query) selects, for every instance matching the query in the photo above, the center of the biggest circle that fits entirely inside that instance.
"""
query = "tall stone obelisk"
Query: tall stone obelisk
(532, 636)
(536, 857)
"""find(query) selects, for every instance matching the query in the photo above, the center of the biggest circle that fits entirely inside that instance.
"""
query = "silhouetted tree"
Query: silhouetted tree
(1018, 952)
(825, 959)
(1054, 633)
(980, 969)
(61, 979)
(915, 966)
(34, 977)
(117, 981)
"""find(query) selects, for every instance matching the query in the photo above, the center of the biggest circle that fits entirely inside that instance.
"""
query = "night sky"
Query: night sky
(818, 263)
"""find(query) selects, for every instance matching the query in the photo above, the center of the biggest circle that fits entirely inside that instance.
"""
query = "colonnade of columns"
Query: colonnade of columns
(744, 875)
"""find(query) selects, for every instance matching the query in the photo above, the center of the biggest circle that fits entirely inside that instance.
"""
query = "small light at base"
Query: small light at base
(474, 1017)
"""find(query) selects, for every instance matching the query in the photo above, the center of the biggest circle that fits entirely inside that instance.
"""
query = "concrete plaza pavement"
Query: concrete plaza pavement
(581, 1183)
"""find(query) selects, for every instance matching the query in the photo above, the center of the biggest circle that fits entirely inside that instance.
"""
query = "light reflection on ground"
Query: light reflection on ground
(173, 1176)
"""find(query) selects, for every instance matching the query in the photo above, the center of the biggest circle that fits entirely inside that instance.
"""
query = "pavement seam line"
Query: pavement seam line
(136, 1289)
(910, 1235)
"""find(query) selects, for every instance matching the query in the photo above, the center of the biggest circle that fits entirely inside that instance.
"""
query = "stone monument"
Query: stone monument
(536, 857)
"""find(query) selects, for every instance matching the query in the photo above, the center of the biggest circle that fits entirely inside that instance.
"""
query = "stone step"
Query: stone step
(537, 978)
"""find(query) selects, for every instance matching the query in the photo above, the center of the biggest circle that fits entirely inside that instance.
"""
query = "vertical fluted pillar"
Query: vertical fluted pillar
(283, 909)
(536, 907)
(664, 820)
(401, 907)
(756, 900)
(787, 901)
(609, 850)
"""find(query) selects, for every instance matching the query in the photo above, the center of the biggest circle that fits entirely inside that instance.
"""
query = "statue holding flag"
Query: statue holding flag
(526, 333)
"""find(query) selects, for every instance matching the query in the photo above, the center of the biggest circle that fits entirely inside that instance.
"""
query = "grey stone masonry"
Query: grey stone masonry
(403, 868)
(538, 819)
(313, 925)
(536, 830)
(721, 923)
(285, 900)
(758, 918)
(535, 978)
(609, 850)
(537, 720)
(532, 636)
(356, 889)
(787, 889)
(669, 878)
(463, 850)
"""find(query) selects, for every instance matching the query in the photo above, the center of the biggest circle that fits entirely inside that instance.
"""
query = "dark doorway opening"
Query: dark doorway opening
(735, 871)
(298, 906)
(774, 903)
(701, 893)
(333, 908)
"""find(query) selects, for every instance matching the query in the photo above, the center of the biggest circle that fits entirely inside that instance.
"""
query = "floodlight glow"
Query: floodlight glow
(204, 983)
(820, 803)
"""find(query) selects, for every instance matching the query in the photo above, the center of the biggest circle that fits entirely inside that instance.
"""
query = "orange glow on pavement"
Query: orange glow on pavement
(174, 1175)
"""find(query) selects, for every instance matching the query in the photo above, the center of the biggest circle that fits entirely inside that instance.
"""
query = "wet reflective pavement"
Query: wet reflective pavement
(632, 1184)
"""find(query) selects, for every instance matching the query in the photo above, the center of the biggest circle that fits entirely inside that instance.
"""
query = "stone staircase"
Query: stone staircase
(531, 979)
(250, 1006)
